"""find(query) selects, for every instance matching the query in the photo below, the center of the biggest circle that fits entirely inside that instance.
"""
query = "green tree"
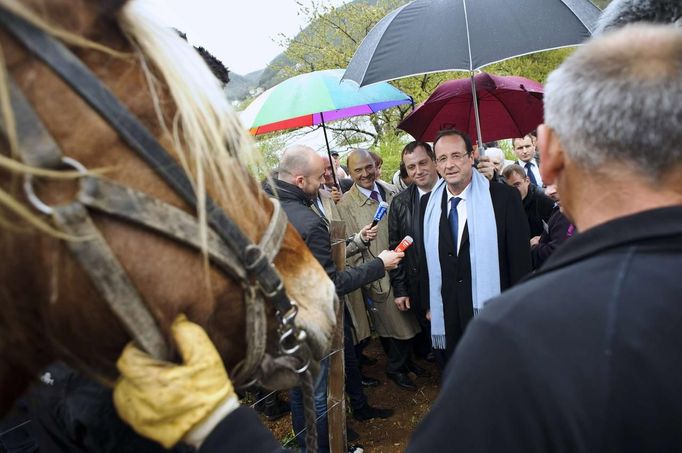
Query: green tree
(328, 42)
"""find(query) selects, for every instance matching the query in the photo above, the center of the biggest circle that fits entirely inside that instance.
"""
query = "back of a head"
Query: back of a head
(618, 98)
(621, 12)
(296, 161)
(495, 152)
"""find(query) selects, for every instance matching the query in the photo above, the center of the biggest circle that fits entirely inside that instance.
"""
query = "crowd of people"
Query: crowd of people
(545, 288)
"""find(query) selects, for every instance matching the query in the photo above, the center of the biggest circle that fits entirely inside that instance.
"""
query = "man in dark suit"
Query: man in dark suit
(460, 200)
(584, 356)
(524, 148)
(404, 220)
(538, 206)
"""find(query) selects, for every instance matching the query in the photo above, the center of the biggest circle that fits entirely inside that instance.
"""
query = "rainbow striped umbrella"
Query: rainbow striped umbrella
(316, 98)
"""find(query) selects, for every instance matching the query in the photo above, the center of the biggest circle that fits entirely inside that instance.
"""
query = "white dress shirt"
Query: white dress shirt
(534, 168)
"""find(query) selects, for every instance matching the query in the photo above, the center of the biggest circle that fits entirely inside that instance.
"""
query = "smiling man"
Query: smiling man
(475, 242)
(395, 327)
(403, 220)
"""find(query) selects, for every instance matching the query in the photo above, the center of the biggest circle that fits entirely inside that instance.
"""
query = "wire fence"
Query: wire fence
(290, 442)
(262, 399)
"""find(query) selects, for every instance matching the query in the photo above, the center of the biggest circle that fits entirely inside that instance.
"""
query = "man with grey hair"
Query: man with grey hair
(622, 12)
(584, 356)
(497, 158)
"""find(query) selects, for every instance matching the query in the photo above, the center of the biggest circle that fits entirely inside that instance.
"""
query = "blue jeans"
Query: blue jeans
(353, 378)
(298, 416)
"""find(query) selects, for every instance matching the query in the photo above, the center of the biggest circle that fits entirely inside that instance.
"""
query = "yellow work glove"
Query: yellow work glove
(164, 401)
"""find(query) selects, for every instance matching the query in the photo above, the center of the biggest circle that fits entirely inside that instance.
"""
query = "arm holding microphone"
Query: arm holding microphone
(392, 258)
(368, 234)
(359, 242)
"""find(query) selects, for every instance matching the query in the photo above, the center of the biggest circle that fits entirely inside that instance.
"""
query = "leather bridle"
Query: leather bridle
(228, 248)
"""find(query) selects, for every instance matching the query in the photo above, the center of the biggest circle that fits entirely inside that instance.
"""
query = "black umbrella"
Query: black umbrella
(442, 35)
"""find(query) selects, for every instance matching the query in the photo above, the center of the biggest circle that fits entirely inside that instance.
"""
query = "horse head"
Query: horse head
(50, 309)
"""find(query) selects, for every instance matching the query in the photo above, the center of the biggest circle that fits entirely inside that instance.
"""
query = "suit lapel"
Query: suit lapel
(445, 232)
(416, 216)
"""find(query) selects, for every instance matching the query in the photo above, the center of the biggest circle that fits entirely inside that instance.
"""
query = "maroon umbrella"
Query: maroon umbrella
(508, 107)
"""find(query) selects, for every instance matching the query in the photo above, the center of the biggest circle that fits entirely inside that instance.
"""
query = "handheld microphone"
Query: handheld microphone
(404, 244)
(381, 212)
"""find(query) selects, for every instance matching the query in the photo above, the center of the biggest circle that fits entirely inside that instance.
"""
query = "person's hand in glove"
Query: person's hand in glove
(169, 402)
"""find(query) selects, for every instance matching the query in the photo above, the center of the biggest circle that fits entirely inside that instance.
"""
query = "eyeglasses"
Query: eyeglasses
(455, 157)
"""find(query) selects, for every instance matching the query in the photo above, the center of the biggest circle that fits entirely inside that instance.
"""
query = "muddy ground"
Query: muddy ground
(392, 434)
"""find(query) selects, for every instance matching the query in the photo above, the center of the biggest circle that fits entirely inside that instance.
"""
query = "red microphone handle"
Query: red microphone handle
(404, 244)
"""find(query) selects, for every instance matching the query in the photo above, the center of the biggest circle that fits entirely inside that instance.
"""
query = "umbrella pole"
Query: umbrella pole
(329, 152)
(481, 147)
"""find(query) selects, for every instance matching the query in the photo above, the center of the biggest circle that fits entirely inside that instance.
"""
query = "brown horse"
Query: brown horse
(49, 309)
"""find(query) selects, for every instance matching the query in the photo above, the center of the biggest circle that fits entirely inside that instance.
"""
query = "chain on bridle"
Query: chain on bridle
(228, 248)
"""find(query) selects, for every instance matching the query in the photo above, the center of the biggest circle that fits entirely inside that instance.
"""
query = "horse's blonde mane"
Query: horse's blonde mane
(209, 141)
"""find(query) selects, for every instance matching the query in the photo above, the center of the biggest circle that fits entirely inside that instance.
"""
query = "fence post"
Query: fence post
(336, 397)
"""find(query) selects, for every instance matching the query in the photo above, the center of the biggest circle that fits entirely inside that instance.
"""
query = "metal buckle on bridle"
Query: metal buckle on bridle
(292, 335)
(292, 339)
(254, 260)
(31, 194)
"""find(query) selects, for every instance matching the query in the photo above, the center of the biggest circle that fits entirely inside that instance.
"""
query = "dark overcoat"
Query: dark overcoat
(583, 357)
(513, 253)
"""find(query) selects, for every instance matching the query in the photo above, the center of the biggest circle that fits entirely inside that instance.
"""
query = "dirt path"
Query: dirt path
(392, 434)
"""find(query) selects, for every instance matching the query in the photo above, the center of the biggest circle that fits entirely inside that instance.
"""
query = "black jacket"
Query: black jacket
(556, 234)
(513, 252)
(582, 357)
(314, 229)
(71, 413)
(539, 208)
(403, 220)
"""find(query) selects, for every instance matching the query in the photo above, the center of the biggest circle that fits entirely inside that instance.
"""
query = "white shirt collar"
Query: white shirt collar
(368, 193)
(422, 193)
(533, 163)
(463, 195)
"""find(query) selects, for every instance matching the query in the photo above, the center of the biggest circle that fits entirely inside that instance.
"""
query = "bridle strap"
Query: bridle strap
(64, 63)
(110, 279)
(36, 146)
(138, 207)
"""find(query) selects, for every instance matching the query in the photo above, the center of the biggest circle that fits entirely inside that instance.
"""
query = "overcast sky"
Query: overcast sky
(240, 33)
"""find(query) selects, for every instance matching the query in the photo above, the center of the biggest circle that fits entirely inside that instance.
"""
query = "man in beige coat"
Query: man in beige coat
(396, 328)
